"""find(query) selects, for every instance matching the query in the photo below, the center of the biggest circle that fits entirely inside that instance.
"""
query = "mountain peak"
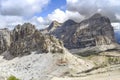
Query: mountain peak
(69, 22)
(94, 31)
(96, 15)
(53, 25)
(99, 18)
(55, 22)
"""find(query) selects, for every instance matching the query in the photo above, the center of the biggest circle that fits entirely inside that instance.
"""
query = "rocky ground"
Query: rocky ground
(42, 66)
(62, 66)
(112, 75)
(107, 67)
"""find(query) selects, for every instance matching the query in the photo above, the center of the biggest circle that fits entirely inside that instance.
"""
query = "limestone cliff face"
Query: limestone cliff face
(27, 39)
(53, 26)
(24, 39)
(5, 40)
(95, 31)
(23, 31)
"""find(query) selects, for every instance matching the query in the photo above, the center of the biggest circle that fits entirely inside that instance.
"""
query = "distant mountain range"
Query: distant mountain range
(94, 31)
(117, 36)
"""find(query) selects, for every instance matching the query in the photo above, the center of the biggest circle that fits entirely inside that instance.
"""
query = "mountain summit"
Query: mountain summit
(53, 26)
(25, 39)
(94, 31)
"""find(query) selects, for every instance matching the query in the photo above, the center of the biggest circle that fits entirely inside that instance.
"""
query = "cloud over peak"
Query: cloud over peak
(13, 12)
(89, 7)
(62, 16)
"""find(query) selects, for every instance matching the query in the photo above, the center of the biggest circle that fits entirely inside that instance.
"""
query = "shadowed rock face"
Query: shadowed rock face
(65, 32)
(95, 31)
(25, 39)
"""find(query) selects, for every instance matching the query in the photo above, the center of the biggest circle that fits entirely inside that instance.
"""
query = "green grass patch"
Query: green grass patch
(12, 78)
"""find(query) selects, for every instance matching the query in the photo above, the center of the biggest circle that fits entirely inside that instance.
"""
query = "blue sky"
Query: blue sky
(42, 12)
(54, 4)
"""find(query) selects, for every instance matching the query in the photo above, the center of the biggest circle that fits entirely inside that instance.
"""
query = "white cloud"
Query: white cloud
(57, 15)
(62, 16)
(76, 16)
(89, 7)
(39, 22)
(40, 19)
(118, 16)
(13, 12)
(22, 7)
(116, 26)
(10, 21)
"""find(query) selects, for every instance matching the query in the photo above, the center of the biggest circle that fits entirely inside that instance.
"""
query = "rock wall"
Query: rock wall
(5, 40)
(95, 31)
(25, 39)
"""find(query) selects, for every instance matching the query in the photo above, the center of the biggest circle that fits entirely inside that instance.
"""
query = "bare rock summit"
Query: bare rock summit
(94, 31)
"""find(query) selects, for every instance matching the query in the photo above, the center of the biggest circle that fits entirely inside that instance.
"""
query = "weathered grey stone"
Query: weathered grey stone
(27, 39)
(5, 40)
(95, 31)
(53, 26)
(22, 31)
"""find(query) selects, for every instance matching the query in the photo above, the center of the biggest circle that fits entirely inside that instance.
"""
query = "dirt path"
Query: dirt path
(113, 74)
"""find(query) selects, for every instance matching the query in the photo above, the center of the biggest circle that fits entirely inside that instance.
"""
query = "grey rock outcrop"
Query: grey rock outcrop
(23, 31)
(24, 39)
(27, 39)
(95, 31)
(53, 26)
(5, 40)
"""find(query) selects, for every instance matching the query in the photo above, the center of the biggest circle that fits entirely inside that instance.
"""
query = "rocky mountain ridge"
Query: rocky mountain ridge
(26, 38)
(29, 55)
(37, 56)
(5, 40)
(95, 31)
(54, 25)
